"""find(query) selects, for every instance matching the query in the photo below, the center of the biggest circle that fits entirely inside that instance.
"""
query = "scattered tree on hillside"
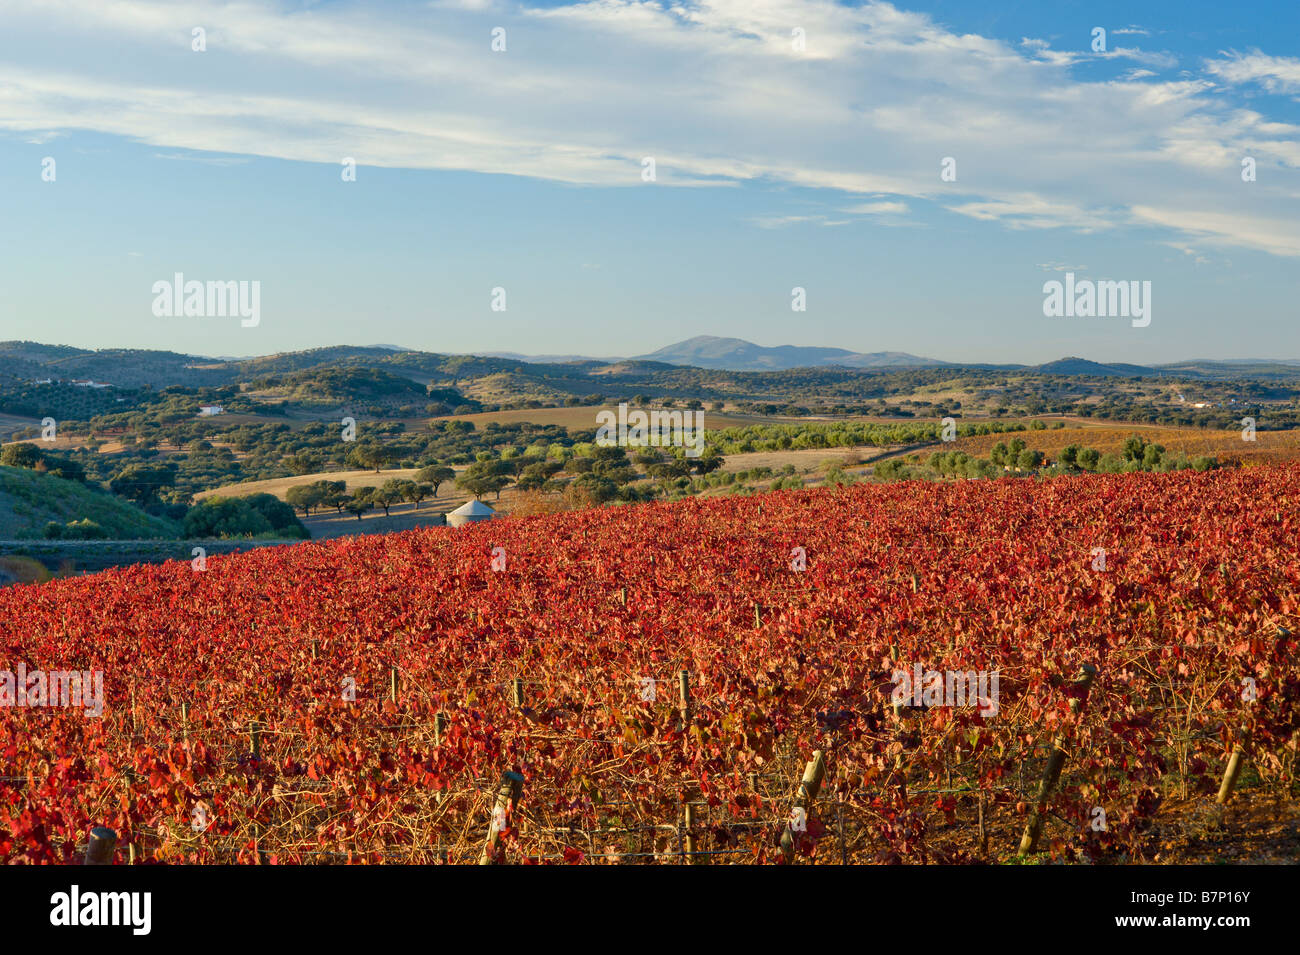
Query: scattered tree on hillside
(21, 455)
(372, 455)
(143, 483)
(434, 475)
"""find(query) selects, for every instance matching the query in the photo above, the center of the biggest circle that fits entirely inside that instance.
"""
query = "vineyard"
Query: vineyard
(1265, 447)
(707, 681)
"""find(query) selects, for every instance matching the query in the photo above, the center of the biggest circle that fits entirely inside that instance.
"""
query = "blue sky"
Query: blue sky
(776, 168)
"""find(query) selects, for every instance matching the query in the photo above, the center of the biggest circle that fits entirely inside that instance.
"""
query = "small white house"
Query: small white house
(470, 511)
(205, 410)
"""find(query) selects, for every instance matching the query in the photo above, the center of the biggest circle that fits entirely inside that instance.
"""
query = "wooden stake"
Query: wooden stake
(622, 596)
(1034, 828)
(392, 684)
(99, 848)
(255, 739)
(439, 724)
(313, 649)
(1233, 769)
(517, 692)
(690, 834)
(839, 824)
(684, 695)
(185, 722)
(809, 786)
(758, 616)
(509, 792)
(984, 833)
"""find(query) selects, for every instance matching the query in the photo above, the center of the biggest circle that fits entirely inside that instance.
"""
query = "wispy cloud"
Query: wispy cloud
(716, 91)
(208, 160)
(877, 209)
(1277, 74)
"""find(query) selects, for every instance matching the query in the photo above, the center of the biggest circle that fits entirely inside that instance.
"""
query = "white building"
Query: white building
(470, 511)
(211, 409)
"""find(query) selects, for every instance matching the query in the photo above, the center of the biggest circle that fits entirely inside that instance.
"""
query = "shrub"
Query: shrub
(84, 529)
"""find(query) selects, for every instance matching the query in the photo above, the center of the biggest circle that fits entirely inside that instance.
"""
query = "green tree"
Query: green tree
(143, 483)
(372, 455)
(418, 493)
(333, 494)
(435, 475)
(392, 492)
(21, 455)
(1027, 460)
(305, 497)
(305, 462)
(709, 461)
(358, 506)
(485, 476)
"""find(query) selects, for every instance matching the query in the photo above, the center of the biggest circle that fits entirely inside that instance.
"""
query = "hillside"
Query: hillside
(29, 501)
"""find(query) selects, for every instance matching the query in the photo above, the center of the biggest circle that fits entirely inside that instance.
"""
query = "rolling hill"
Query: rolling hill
(29, 501)
(736, 354)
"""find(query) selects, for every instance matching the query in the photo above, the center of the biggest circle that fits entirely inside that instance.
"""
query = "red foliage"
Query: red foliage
(1200, 592)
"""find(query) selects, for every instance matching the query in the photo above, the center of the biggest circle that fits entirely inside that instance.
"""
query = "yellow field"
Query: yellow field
(352, 479)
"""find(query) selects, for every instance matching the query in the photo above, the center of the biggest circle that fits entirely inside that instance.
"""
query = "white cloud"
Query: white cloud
(713, 89)
(780, 222)
(877, 208)
(1277, 74)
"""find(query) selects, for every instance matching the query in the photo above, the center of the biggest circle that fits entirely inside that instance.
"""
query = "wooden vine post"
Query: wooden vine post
(99, 848)
(1055, 762)
(509, 792)
(809, 786)
(684, 696)
(392, 684)
(689, 834)
(1233, 769)
(185, 722)
(517, 692)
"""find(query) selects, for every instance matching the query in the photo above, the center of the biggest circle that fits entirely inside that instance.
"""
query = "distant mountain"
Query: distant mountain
(548, 359)
(736, 354)
(1082, 366)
